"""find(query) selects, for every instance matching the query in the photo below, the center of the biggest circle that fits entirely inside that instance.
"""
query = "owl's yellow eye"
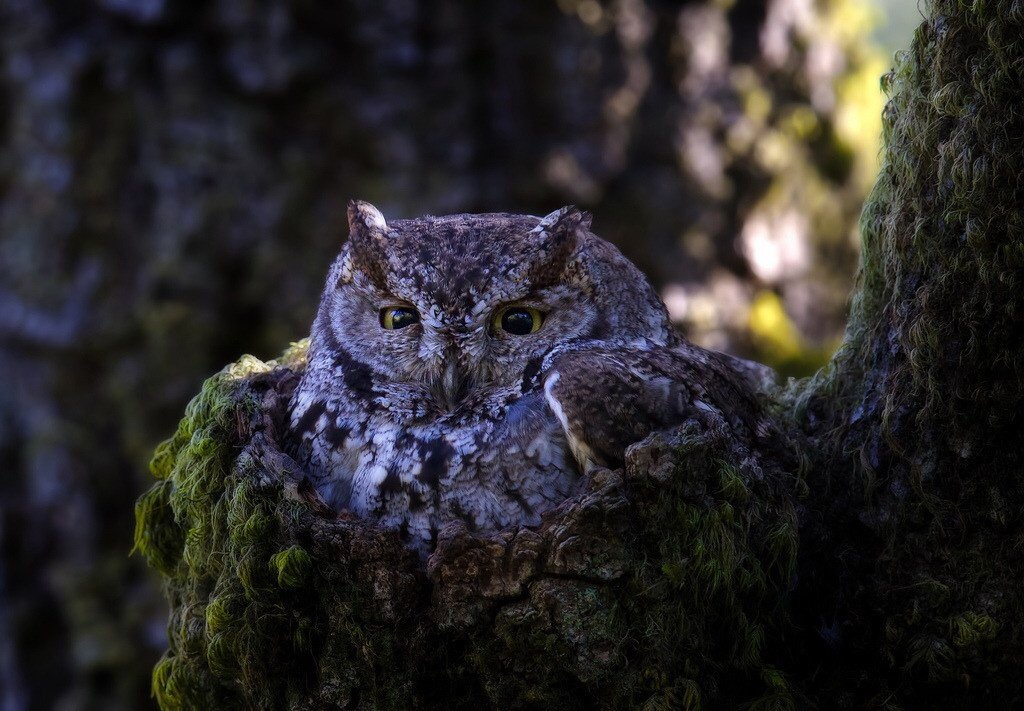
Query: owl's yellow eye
(518, 320)
(395, 317)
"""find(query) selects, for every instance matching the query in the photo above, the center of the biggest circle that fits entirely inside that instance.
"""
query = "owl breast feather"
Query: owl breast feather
(499, 461)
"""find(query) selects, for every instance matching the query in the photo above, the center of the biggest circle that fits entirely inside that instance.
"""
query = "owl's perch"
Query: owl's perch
(668, 583)
(678, 562)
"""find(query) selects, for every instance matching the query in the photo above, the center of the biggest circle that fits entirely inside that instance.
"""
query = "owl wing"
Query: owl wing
(608, 398)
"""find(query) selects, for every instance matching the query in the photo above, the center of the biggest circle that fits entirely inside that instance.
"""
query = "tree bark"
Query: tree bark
(910, 550)
(867, 556)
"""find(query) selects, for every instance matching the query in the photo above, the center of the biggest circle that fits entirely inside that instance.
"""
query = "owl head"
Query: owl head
(464, 303)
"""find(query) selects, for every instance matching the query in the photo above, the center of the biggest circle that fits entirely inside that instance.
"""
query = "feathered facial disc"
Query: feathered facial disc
(461, 303)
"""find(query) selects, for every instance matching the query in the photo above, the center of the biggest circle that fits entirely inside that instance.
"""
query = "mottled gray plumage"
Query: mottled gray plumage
(454, 418)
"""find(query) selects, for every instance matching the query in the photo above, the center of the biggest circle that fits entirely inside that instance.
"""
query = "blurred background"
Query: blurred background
(173, 182)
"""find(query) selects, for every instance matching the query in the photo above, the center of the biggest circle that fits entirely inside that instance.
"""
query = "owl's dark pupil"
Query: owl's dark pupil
(518, 322)
(395, 318)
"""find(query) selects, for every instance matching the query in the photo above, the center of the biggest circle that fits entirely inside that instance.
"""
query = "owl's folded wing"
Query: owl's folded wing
(608, 398)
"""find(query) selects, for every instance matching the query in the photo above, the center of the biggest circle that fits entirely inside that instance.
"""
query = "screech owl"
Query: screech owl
(473, 367)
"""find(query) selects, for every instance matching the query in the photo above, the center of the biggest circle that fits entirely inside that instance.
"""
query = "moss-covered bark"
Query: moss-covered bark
(913, 555)
(651, 587)
(867, 557)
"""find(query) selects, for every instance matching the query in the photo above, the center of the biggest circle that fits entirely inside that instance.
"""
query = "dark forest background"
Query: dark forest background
(173, 181)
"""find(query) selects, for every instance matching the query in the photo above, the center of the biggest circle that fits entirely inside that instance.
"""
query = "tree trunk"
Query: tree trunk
(911, 545)
(869, 555)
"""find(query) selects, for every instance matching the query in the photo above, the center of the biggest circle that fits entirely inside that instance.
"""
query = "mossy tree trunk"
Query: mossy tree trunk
(868, 555)
(911, 560)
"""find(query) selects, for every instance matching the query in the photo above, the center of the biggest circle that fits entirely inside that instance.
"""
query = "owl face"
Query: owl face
(456, 305)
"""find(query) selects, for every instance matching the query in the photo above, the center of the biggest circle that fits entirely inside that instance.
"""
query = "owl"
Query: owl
(474, 367)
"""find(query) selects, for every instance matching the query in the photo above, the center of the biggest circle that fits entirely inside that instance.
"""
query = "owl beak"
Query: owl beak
(453, 385)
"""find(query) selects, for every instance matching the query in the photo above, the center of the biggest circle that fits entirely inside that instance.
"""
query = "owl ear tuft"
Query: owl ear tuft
(564, 221)
(368, 238)
(560, 229)
(559, 233)
(364, 219)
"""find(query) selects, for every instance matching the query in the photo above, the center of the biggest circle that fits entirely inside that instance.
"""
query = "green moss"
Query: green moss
(157, 535)
(292, 567)
(725, 544)
(203, 527)
(972, 629)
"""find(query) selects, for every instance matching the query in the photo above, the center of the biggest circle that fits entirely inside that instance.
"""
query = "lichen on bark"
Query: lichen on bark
(647, 589)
